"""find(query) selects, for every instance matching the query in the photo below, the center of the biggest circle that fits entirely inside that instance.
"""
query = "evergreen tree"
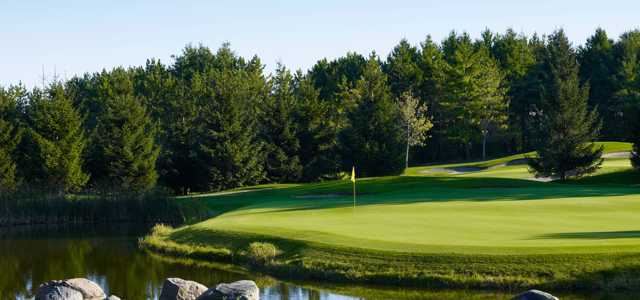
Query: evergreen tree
(597, 68)
(229, 148)
(474, 100)
(56, 141)
(430, 92)
(125, 142)
(402, 69)
(569, 126)
(626, 97)
(317, 133)
(278, 130)
(516, 57)
(373, 140)
(10, 136)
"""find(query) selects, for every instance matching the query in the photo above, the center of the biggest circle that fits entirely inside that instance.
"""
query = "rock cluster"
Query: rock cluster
(172, 289)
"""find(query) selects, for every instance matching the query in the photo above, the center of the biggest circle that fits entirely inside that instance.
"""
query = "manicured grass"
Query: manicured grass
(489, 228)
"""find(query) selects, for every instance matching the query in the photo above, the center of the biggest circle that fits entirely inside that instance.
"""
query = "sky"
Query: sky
(68, 38)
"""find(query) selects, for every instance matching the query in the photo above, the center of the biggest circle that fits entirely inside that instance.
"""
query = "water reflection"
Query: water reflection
(110, 257)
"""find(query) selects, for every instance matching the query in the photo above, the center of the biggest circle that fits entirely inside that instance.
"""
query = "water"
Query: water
(110, 257)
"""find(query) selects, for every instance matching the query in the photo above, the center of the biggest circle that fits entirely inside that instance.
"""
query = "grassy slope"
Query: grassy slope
(483, 229)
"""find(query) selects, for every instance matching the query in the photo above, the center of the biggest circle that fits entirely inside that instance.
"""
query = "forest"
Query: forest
(212, 120)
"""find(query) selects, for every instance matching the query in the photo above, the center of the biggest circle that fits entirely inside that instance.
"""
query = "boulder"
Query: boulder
(239, 290)
(70, 289)
(113, 297)
(534, 295)
(180, 289)
(89, 289)
(53, 290)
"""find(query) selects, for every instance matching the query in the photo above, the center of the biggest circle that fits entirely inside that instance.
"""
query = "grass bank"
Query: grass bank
(489, 229)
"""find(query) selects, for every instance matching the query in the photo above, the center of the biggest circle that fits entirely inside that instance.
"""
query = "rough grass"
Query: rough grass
(486, 229)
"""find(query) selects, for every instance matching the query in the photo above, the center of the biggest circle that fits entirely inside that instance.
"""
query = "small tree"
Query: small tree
(569, 126)
(416, 122)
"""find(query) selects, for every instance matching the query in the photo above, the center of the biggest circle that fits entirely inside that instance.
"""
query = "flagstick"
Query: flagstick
(354, 194)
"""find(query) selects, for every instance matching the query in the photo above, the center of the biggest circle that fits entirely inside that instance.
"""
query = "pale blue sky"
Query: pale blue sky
(86, 36)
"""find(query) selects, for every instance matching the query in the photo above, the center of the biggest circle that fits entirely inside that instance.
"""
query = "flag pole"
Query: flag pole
(354, 194)
(353, 181)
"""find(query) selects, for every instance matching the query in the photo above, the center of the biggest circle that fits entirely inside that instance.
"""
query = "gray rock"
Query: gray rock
(239, 290)
(89, 289)
(534, 295)
(53, 290)
(180, 289)
(113, 297)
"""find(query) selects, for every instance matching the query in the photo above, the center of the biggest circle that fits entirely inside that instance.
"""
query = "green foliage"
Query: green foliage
(402, 68)
(474, 99)
(317, 133)
(55, 141)
(126, 151)
(569, 126)
(373, 140)
(415, 120)
(229, 149)
(10, 136)
(262, 253)
(279, 130)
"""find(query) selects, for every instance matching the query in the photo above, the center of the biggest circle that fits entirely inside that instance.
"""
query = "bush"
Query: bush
(161, 230)
(259, 252)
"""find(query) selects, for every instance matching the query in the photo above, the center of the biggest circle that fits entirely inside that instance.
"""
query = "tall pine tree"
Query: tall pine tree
(569, 126)
(126, 149)
(10, 136)
(317, 133)
(55, 141)
(373, 141)
(278, 130)
(229, 147)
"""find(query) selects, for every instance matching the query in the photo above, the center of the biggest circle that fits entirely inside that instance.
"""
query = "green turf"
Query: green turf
(496, 211)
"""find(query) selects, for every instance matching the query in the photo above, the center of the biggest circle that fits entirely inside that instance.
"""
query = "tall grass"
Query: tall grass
(30, 205)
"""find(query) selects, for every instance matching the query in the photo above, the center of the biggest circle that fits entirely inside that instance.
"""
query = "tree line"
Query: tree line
(215, 120)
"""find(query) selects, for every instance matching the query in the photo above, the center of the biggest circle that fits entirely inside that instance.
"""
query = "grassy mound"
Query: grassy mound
(491, 228)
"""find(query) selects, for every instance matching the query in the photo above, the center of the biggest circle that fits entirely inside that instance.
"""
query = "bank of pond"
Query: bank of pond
(109, 256)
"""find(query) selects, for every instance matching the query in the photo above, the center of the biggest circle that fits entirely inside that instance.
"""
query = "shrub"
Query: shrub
(259, 252)
(161, 230)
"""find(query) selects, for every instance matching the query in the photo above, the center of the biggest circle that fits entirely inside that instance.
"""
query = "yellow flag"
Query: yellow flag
(353, 174)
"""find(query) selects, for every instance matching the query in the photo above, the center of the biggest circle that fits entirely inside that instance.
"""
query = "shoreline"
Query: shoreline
(583, 272)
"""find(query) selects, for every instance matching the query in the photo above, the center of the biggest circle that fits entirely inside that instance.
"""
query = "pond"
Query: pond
(109, 256)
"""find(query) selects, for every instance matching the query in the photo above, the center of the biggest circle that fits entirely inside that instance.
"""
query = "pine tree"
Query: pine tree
(402, 69)
(56, 141)
(317, 133)
(569, 126)
(126, 148)
(10, 136)
(597, 68)
(279, 130)
(430, 92)
(516, 57)
(626, 97)
(373, 140)
(229, 147)
(474, 99)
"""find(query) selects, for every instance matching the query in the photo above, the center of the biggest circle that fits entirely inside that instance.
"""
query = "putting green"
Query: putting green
(494, 210)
